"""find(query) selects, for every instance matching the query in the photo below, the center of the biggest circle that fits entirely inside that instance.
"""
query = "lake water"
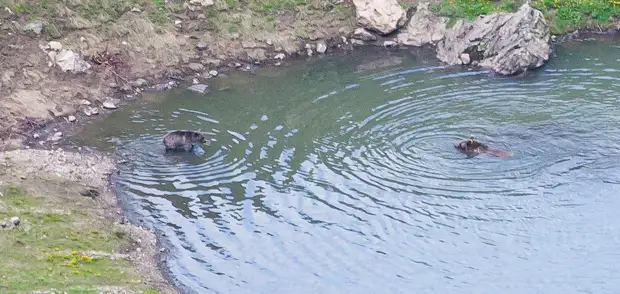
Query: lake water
(339, 175)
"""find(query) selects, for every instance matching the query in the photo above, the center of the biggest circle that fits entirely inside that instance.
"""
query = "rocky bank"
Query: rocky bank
(82, 58)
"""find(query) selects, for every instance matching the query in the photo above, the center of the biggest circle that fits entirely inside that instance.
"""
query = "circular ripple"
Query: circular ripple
(360, 188)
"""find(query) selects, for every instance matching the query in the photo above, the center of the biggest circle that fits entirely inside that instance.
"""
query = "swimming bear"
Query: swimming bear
(182, 140)
(472, 147)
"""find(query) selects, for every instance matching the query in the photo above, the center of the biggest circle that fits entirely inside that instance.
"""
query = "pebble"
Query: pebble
(72, 118)
(278, 63)
(15, 221)
(280, 56)
(201, 45)
(199, 88)
(196, 66)
(84, 102)
(321, 47)
(389, 43)
(109, 105)
(56, 137)
(35, 136)
(213, 73)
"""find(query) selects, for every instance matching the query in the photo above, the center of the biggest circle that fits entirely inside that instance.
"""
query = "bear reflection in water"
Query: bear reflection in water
(472, 147)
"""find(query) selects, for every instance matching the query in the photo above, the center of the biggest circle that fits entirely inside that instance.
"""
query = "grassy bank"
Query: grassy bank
(563, 16)
(68, 240)
(61, 246)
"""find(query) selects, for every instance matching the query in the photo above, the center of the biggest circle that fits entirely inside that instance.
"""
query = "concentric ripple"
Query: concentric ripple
(341, 176)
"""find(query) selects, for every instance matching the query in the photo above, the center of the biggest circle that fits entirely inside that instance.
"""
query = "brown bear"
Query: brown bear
(472, 147)
(182, 140)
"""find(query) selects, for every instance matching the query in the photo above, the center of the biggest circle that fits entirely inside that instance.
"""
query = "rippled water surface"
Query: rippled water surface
(339, 175)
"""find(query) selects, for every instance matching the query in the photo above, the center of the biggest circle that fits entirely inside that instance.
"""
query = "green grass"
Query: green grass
(50, 248)
(562, 16)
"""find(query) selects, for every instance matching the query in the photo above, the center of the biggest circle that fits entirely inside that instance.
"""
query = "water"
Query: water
(339, 176)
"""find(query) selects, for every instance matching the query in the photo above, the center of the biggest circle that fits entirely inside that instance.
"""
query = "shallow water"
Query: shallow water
(339, 176)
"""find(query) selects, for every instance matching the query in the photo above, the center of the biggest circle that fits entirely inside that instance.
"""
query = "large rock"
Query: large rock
(69, 61)
(423, 28)
(383, 16)
(507, 43)
(33, 28)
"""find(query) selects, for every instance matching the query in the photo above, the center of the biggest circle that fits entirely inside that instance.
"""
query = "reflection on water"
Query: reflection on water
(340, 176)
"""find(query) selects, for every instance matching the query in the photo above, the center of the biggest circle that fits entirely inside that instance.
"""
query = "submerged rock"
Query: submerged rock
(507, 43)
(423, 28)
(383, 16)
(199, 88)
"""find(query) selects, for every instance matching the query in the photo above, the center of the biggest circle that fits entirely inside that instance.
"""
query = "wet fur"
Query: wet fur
(471, 146)
(182, 140)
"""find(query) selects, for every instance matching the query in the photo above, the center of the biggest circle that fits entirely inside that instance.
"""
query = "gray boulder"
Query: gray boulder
(383, 16)
(507, 43)
(423, 28)
(33, 28)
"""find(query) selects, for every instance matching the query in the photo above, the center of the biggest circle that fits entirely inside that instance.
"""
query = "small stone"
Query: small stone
(15, 221)
(113, 85)
(109, 105)
(196, 66)
(278, 63)
(139, 83)
(321, 47)
(71, 118)
(56, 137)
(269, 42)
(201, 16)
(36, 136)
(34, 27)
(199, 88)
(213, 73)
(389, 43)
(124, 43)
(94, 111)
(364, 35)
(135, 9)
(84, 102)
(3, 225)
(195, 81)
(465, 58)
(201, 45)
(177, 22)
(280, 56)
(309, 52)
(237, 64)
(55, 46)
(162, 250)
(278, 49)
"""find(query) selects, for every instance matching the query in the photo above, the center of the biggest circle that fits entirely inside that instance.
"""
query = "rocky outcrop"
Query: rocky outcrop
(383, 16)
(507, 43)
(423, 28)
